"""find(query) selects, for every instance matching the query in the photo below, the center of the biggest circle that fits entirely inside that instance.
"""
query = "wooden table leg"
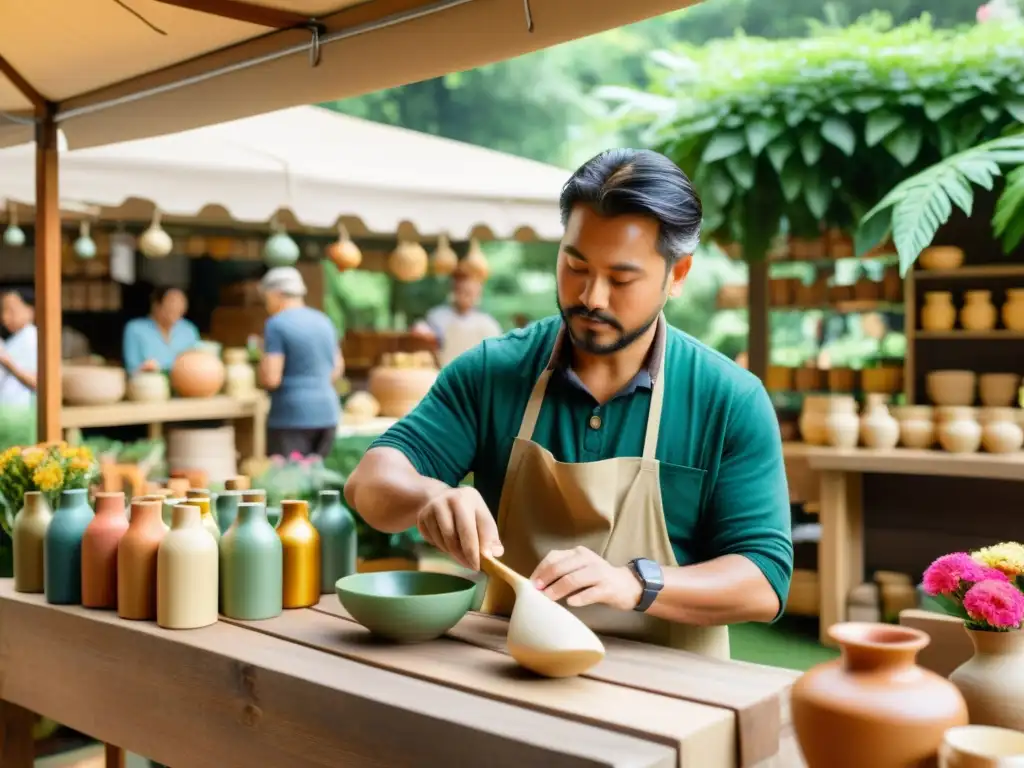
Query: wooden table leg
(114, 756)
(17, 747)
(841, 547)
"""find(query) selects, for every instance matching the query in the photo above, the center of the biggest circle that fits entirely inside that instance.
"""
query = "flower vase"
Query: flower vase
(99, 551)
(28, 535)
(187, 572)
(137, 561)
(227, 507)
(251, 566)
(338, 542)
(301, 544)
(992, 680)
(62, 550)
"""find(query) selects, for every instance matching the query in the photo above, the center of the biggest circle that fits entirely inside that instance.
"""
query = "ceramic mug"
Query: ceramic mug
(982, 746)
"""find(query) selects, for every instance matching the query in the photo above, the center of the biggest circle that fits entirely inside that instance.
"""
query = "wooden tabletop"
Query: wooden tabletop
(312, 688)
(905, 461)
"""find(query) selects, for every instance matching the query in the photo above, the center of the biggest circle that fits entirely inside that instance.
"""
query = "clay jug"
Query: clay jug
(251, 566)
(301, 544)
(959, 431)
(62, 549)
(938, 313)
(99, 551)
(28, 534)
(338, 545)
(917, 427)
(1013, 309)
(978, 314)
(1001, 433)
(208, 520)
(187, 573)
(137, 559)
(878, 429)
(197, 373)
(991, 680)
(874, 706)
(843, 428)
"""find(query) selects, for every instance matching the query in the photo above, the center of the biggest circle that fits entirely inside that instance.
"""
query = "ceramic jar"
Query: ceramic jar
(240, 376)
(137, 561)
(1013, 309)
(227, 507)
(941, 257)
(951, 387)
(187, 573)
(28, 535)
(338, 544)
(959, 430)
(62, 549)
(149, 387)
(878, 429)
(99, 551)
(843, 428)
(998, 390)
(981, 746)
(197, 373)
(92, 384)
(815, 412)
(938, 313)
(301, 545)
(991, 681)
(399, 390)
(1000, 432)
(917, 427)
(874, 706)
(978, 314)
(251, 566)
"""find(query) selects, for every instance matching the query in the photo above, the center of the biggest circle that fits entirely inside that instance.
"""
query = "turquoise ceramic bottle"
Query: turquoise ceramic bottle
(337, 528)
(251, 566)
(226, 506)
(62, 549)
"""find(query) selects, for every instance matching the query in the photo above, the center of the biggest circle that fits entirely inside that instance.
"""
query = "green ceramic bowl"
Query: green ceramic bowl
(406, 606)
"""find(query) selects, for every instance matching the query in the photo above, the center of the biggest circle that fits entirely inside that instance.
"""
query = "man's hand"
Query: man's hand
(586, 578)
(458, 522)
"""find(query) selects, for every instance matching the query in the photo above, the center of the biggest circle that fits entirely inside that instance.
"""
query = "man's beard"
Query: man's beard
(587, 341)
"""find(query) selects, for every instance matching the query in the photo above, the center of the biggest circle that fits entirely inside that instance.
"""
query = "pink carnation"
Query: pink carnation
(945, 575)
(295, 456)
(984, 13)
(997, 603)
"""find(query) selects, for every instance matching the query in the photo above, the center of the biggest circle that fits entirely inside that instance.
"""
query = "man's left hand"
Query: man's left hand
(586, 578)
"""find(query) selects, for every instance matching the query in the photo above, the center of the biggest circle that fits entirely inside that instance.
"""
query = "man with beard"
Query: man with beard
(626, 468)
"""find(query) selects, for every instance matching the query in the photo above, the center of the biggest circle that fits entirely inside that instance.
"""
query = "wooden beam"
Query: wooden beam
(758, 320)
(23, 85)
(47, 282)
(261, 15)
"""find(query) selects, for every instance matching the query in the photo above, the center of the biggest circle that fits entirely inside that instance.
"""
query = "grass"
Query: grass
(791, 642)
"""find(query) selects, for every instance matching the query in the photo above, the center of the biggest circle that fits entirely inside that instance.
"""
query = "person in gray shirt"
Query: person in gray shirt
(301, 362)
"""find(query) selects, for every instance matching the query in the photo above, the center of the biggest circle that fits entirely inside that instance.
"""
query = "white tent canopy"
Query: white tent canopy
(314, 164)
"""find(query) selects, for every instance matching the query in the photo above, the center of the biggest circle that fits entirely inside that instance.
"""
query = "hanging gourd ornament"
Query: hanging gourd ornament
(344, 253)
(155, 243)
(445, 259)
(280, 250)
(408, 262)
(14, 236)
(475, 262)
(85, 246)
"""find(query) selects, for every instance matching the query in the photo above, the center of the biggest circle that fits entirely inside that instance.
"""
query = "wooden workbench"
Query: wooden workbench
(310, 688)
(840, 512)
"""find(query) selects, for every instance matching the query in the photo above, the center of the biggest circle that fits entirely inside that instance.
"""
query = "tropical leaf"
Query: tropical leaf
(1008, 221)
(839, 134)
(723, 145)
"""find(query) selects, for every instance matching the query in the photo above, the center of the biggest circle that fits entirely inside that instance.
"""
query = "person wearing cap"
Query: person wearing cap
(19, 353)
(459, 325)
(154, 342)
(301, 362)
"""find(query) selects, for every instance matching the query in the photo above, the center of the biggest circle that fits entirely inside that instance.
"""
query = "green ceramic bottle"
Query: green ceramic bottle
(62, 549)
(251, 566)
(227, 507)
(337, 528)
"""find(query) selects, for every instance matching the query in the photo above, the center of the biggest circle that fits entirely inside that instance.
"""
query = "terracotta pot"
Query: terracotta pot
(343, 252)
(978, 314)
(1013, 309)
(992, 679)
(866, 289)
(399, 390)
(998, 390)
(808, 248)
(809, 379)
(92, 384)
(951, 387)
(99, 551)
(842, 380)
(885, 379)
(874, 706)
(938, 313)
(840, 245)
(197, 373)
(941, 257)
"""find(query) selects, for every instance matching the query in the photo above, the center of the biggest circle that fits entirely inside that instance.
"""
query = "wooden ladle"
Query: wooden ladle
(543, 636)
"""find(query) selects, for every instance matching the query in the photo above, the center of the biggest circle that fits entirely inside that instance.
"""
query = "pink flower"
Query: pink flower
(983, 14)
(996, 603)
(277, 460)
(946, 575)
(295, 456)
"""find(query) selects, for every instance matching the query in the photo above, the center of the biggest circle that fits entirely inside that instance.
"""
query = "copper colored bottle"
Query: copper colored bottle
(136, 561)
(301, 544)
(99, 551)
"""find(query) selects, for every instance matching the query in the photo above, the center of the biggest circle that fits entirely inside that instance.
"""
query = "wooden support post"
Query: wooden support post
(759, 333)
(47, 279)
(841, 547)
(113, 756)
(17, 748)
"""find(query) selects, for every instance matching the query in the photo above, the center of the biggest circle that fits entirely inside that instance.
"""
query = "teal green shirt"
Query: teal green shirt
(723, 479)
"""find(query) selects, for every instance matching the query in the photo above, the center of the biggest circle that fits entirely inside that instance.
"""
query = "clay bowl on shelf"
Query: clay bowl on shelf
(951, 387)
(406, 606)
(998, 389)
(941, 257)
(92, 384)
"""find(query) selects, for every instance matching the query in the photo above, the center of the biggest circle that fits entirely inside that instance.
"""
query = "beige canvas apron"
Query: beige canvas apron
(613, 507)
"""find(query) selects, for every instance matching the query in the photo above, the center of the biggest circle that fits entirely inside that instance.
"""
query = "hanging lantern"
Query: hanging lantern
(14, 236)
(408, 262)
(343, 252)
(85, 246)
(280, 250)
(445, 259)
(155, 243)
(475, 263)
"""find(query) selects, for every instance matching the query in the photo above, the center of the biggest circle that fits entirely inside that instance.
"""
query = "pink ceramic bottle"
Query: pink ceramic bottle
(99, 551)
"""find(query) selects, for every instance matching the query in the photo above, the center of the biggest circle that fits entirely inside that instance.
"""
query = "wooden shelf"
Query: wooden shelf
(176, 409)
(962, 334)
(844, 307)
(904, 461)
(981, 270)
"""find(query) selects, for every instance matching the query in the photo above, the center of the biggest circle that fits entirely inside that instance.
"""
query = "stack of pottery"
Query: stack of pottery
(198, 372)
(916, 426)
(239, 373)
(815, 414)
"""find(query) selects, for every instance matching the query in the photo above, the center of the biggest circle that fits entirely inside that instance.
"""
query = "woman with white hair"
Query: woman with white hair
(301, 361)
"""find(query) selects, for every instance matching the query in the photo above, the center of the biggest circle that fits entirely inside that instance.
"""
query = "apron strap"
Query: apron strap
(536, 400)
(657, 399)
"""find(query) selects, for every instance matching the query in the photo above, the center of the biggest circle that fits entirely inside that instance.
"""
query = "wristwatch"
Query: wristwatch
(650, 576)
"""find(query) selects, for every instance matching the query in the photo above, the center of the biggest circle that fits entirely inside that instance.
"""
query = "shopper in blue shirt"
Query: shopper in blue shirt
(153, 343)
(301, 362)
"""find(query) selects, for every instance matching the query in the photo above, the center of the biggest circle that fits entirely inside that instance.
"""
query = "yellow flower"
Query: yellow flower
(81, 465)
(49, 478)
(1007, 556)
(32, 458)
(8, 456)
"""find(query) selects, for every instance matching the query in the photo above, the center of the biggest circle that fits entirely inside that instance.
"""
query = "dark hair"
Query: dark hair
(638, 181)
(160, 293)
(25, 293)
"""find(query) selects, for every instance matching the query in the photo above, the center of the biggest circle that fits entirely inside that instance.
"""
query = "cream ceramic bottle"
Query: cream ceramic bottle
(187, 572)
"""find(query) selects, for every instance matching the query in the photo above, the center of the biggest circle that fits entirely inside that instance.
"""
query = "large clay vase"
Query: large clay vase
(197, 373)
(251, 566)
(992, 680)
(62, 550)
(301, 543)
(99, 551)
(874, 706)
(227, 507)
(338, 544)
(136, 561)
(187, 573)
(29, 535)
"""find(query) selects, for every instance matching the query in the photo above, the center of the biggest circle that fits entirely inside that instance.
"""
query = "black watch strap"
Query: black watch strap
(651, 579)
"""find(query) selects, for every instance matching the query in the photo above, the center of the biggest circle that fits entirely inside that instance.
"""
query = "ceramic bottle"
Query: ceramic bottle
(227, 507)
(992, 679)
(28, 535)
(842, 426)
(959, 430)
(62, 550)
(1000, 433)
(938, 313)
(1013, 309)
(238, 483)
(878, 429)
(254, 496)
(168, 505)
(137, 560)
(301, 545)
(338, 545)
(206, 515)
(99, 551)
(978, 314)
(251, 566)
(187, 572)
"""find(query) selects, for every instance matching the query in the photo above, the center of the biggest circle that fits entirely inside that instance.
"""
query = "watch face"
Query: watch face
(649, 571)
